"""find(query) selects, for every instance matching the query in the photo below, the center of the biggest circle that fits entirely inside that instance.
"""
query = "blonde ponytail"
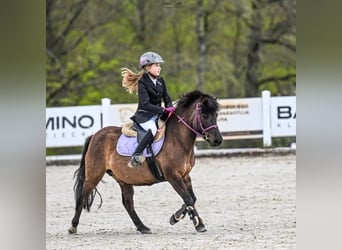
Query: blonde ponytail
(130, 80)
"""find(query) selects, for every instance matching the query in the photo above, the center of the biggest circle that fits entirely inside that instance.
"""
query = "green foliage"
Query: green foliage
(88, 43)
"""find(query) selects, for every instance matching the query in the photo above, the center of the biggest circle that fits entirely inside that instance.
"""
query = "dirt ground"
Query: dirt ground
(245, 202)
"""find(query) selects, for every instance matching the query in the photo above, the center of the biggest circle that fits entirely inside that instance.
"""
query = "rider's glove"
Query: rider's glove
(170, 109)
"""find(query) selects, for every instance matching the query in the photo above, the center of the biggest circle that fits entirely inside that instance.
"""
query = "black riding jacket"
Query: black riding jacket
(150, 98)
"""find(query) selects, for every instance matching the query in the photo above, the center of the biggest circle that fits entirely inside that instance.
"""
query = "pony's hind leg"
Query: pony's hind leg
(78, 188)
(127, 192)
(84, 199)
(76, 218)
(83, 187)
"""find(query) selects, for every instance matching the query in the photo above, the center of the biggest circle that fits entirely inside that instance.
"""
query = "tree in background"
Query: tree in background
(230, 49)
(271, 39)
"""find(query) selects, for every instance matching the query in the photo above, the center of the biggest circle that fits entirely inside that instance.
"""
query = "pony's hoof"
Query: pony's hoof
(144, 230)
(72, 230)
(201, 229)
(173, 220)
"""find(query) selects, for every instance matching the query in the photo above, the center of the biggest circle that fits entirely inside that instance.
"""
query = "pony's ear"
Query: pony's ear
(205, 100)
(205, 105)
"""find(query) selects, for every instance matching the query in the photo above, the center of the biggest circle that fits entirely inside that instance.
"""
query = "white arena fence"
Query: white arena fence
(240, 118)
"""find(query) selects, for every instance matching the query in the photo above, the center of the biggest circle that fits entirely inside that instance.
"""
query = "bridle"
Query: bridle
(204, 131)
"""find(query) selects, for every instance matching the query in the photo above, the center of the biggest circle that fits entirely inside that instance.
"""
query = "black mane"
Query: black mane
(209, 103)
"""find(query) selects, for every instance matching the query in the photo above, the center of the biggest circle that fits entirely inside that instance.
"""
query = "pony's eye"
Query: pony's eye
(205, 116)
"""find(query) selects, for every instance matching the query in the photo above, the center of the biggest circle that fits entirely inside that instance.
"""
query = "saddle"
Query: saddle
(130, 130)
(128, 141)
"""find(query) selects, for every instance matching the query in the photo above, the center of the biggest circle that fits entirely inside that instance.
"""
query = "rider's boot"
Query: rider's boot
(138, 158)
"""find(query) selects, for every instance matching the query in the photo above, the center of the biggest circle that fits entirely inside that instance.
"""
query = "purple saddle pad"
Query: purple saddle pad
(126, 146)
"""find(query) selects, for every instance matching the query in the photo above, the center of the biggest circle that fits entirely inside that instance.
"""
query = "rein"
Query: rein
(198, 120)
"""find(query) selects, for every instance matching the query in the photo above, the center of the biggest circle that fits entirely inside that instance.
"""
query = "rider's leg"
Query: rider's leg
(137, 157)
(150, 124)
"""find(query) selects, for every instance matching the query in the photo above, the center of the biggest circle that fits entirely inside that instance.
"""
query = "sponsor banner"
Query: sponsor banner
(70, 126)
(240, 117)
(283, 116)
(121, 113)
(237, 118)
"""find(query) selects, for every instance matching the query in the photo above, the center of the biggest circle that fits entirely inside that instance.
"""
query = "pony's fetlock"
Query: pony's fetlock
(193, 215)
(180, 214)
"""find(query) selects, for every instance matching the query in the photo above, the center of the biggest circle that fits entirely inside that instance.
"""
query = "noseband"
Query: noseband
(204, 131)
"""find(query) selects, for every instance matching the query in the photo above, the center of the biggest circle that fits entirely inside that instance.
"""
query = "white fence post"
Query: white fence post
(105, 110)
(266, 117)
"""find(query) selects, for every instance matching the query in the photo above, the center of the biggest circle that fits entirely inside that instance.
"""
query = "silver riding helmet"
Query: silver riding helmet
(149, 58)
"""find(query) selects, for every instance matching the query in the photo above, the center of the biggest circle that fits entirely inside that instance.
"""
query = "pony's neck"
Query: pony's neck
(179, 132)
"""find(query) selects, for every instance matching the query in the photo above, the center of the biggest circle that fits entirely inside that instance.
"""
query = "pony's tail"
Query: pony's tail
(80, 178)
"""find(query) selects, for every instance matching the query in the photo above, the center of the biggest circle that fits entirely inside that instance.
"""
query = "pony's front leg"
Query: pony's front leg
(197, 220)
(127, 192)
(177, 216)
(184, 188)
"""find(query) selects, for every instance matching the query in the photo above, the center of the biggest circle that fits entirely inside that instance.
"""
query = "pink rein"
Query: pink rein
(197, 121)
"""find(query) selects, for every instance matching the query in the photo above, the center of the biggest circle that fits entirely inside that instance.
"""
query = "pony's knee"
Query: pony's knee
(190, 201)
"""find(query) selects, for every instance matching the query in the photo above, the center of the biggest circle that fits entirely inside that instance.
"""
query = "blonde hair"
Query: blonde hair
(130, 79)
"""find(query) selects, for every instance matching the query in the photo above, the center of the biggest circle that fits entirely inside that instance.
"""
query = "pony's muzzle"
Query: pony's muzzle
(214, 139)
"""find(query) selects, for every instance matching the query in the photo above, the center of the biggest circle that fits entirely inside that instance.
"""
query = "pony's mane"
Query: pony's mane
(209, 103)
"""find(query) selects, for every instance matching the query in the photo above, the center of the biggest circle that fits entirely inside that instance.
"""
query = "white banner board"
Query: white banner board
(283, 116)
(70, 126)
(121, 113)
(240, 117)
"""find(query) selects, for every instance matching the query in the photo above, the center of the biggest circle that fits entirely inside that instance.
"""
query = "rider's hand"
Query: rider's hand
(170, 109)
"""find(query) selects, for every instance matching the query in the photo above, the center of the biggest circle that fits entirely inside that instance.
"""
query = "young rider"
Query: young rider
(151, 90)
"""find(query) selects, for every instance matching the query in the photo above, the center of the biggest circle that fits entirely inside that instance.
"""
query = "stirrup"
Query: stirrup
(136, 160)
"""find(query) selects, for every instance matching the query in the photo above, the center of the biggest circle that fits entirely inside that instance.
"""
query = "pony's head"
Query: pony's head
(202, 110)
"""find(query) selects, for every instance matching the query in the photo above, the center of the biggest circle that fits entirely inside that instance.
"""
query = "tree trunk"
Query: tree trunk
(254, 52)
(201, 45)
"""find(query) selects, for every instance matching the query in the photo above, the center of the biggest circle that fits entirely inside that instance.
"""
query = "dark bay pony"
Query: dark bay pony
(195, 115)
